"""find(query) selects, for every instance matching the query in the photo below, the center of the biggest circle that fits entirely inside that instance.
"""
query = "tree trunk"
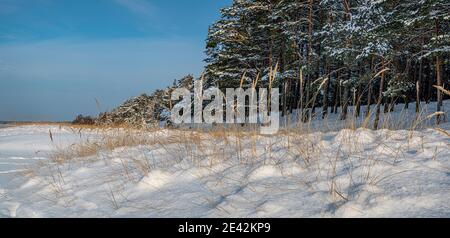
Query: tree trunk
(386, 104)
(358, 100)
(418, 86)
(325, 96)
(345, 98)
(438, 80)
(307, 115)
(430, 81)
(369, 99)
(439, 93)
(339, 95)
(301, 93)
(369, 92)
(284, 85)
(345, 102)
(380, 100)
(335, 95)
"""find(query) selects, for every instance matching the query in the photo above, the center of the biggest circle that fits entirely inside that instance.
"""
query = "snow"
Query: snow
(177, 173)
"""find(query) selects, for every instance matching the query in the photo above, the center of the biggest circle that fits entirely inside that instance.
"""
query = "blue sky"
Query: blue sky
(57, 57)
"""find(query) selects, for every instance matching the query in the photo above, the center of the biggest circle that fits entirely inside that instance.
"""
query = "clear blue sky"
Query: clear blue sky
(58, 56)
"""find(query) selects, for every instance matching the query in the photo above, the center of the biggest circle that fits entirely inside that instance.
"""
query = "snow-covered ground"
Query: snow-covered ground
(170, 173)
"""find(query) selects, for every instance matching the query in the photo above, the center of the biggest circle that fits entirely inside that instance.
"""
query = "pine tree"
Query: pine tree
(336, 53)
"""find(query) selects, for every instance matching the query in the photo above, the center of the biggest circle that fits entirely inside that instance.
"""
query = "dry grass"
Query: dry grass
(105, 139)
(442, 89)
(346, 168)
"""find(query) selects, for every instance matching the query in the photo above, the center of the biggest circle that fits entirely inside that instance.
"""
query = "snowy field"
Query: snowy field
(53, 171)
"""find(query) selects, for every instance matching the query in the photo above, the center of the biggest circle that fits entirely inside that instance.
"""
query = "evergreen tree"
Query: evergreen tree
(334, 53)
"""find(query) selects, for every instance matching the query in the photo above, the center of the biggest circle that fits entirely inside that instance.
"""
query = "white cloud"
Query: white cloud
(142, 8)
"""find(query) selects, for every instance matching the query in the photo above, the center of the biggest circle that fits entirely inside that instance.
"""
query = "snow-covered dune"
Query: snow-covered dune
(347, 173)
(22, 147)
(317, 169)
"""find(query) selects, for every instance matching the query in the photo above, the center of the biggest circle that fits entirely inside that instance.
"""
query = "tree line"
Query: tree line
(334, 53)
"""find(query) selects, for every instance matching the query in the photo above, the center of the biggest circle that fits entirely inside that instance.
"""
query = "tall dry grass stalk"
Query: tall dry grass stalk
(304, 144)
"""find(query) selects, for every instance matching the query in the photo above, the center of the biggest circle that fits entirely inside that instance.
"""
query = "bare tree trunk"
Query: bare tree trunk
(302, 92)
(438, 80)
(326, 86)
(292, 89)
(347, 17)
(307, 116)
(418, 86)
(335, 94)
(392, 103)
(439, 93)
(339, 95)
(430, 80)
(386, 104)
(369, 99)
(380, 99)
(345, 99)
(358, 100)
(284, 85)
(345, 102)
(369, 92)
